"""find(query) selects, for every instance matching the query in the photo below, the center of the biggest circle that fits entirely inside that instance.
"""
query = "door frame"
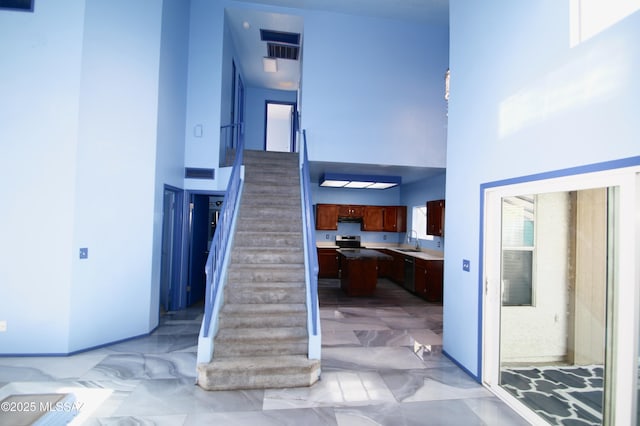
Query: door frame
(622, 362)
(294, 114)
(173, 301)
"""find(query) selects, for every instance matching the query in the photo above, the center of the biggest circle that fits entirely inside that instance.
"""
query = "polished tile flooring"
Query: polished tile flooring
(382, 365)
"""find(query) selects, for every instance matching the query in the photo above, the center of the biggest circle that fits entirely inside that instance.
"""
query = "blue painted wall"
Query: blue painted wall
(523, 102)
(40, 86)
(97, 79)
(110, 296)
(373, 90)
(255, 113)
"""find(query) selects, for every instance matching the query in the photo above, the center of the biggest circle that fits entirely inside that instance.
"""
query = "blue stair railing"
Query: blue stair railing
(217, 261)
(311, 255)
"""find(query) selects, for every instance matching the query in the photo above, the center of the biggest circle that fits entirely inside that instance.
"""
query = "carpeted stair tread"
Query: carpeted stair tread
(258, 372)
(249, 309)
(269, 335)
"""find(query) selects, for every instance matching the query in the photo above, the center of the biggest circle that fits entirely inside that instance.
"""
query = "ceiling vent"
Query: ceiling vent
(282, 51)
(281, 44)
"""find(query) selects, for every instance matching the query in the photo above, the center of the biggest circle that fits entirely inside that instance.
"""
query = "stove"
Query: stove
(348, 241)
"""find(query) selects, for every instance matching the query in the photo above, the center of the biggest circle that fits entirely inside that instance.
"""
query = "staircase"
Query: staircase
(262, 335)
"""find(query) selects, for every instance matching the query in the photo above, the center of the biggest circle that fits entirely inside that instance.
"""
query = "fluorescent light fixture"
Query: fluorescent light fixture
(339, 180)
(269, 64)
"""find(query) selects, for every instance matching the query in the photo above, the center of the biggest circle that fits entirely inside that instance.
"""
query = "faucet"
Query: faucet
(413, 231)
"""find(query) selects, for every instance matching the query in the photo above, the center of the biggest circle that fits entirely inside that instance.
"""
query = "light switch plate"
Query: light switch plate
(84, 253)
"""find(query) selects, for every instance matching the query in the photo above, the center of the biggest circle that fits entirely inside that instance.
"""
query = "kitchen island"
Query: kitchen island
(359, 270)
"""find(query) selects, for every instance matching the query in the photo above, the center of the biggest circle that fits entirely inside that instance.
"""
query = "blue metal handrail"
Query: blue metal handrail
(220, 242)
(311, 252)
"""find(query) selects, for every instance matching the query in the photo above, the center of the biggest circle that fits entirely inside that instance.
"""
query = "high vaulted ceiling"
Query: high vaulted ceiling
(245, 24)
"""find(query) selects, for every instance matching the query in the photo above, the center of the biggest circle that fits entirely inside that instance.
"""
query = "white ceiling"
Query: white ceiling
(245, 24)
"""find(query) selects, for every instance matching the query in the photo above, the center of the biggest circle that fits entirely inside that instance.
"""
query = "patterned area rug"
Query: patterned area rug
(568, 396)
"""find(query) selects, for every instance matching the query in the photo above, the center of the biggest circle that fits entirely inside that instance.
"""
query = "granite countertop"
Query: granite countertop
(424, 254)
(363, 253)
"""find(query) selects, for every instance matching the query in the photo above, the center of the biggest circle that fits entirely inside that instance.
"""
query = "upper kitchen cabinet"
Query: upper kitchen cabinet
(395, 219)
(327, 217)
(373, 219)
(435, 218)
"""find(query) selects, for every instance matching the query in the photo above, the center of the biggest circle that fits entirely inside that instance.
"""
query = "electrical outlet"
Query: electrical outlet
(466, 265)
(3, 326)
(384, 237)
(84, 253)
(326, 236)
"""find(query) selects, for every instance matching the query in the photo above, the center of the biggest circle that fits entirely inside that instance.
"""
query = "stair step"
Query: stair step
(258, 372)
(268, 200)
(261, 212)
(269, 225)
(278, 293)
(260, 341)
(266, 273)
(278, 174)
(260, 316)
(261, 256)
(260, 335)
(268, 239)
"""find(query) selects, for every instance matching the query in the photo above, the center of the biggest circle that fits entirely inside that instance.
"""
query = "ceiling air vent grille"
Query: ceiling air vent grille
(281, 44)
(282, 51)
(195, 173)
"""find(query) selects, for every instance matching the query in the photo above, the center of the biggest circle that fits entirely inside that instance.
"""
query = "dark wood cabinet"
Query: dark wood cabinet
(385, 267)
(373, 219)
(397, 268)
(435, 218)
(328, 263)
(395, 219)
(327, 217)
(428, 279)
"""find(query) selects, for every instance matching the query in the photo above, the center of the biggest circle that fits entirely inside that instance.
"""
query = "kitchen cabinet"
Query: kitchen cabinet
(359, 271)
(397, 267)
(327, 217)
(395, 219)
(373, 219)
(428, 279)
(385, 266)
(350, 211)
(435, 218)
(328, 263)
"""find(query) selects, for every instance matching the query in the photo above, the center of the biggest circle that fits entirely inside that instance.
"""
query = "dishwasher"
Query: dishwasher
(409, 281)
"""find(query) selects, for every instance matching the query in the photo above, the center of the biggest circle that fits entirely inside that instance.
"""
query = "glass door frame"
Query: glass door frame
(622, 361)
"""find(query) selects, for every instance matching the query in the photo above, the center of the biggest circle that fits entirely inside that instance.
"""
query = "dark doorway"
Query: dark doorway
(204, 210)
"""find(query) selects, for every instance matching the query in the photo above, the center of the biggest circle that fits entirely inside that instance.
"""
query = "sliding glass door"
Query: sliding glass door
(561, 286)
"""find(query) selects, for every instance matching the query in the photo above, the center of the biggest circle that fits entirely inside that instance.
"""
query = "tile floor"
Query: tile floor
(382, 365)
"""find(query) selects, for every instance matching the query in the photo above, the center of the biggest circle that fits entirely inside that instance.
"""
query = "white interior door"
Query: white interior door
(279, 132)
